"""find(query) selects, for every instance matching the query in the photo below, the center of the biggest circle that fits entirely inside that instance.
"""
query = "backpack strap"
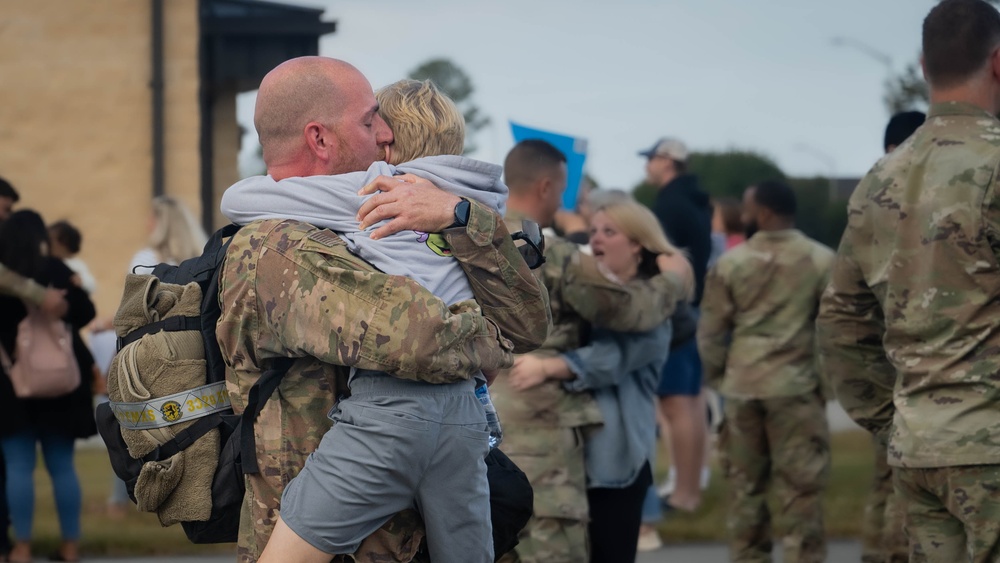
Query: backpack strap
(185, 438)
(261, 391)
(170, 324)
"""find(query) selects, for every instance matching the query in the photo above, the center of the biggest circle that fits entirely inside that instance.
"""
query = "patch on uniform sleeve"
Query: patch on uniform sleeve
(327, 238)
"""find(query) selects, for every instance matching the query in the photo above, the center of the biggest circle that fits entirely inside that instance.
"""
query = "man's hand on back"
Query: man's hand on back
(412, 203)
(54, 303)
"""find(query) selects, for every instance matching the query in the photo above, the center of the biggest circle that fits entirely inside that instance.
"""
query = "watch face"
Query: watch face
(462, 212)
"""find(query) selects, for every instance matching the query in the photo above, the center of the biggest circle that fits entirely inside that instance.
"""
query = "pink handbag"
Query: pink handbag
(44, 365)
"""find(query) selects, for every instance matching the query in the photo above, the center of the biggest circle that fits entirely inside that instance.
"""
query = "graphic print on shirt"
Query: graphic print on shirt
(436, 242)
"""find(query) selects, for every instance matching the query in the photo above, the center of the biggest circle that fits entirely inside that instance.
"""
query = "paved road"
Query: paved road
(840, 552)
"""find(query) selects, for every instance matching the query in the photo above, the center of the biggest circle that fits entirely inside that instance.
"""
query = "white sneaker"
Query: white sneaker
(667, 488)
(649, 539)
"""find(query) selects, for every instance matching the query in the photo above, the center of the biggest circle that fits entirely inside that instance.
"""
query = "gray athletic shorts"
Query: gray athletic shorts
(397, 444)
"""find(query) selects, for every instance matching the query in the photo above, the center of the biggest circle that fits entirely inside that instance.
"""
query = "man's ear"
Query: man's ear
(923, 68)
(995, 64)
(545, 187)
(319, 139)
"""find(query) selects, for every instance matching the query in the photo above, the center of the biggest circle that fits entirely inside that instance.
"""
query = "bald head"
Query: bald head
(312, 109)
(297, 92)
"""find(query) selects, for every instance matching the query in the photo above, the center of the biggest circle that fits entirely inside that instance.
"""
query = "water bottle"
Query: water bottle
(492, 419)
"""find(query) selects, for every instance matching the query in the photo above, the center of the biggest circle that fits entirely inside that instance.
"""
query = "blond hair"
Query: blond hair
(638, 223)
(424, 121)
(176, 235)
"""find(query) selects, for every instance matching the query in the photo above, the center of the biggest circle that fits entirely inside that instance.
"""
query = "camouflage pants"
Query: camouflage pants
(552, 459)
(288, 429)
(883, 539)
(780, 444)
(952, 513)
(550, 539)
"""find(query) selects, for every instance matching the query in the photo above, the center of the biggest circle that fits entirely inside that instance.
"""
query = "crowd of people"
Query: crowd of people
(401, 286)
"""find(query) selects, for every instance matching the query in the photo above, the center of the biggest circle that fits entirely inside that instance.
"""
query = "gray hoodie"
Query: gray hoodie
(333, 202)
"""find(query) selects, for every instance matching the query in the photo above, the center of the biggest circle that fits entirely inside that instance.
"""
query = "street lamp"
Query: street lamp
(865, 48)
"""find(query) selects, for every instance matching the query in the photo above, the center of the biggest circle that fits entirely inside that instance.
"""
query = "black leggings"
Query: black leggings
(615, 516)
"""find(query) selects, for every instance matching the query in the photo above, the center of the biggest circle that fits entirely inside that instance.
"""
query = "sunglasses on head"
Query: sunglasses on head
(534, 243)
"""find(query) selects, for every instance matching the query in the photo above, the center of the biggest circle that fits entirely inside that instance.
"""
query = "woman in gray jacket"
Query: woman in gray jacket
(622, 371)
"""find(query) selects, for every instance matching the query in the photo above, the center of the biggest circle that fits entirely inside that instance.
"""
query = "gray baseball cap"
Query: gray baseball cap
(668, 147)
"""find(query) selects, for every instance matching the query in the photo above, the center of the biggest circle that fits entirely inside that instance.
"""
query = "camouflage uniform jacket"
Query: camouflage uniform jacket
(15, 285)
(756, 333)
(910, 324)
(581, 296)
(290, 289)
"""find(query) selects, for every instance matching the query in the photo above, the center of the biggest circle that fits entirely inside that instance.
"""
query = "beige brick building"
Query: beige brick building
(108, 102)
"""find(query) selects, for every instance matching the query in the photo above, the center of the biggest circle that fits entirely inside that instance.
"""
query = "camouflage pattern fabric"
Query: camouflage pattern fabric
(552, 459)
(883, 539)
(910, 324)
(543, 426)
(952, 513)
(505, 288)
(559, 540)
(780, 445)
(756, 332)
(16, 285)
(290, 289)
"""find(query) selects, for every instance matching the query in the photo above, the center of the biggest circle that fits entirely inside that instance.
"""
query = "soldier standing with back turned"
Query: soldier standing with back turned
(910, 324)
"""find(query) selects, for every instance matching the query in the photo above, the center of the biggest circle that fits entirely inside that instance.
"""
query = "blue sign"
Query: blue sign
(574, 148)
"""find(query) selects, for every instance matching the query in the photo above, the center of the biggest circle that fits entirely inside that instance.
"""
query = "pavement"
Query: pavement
(839, 552)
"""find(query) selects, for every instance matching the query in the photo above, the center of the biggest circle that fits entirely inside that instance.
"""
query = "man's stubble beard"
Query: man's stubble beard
(349, 161)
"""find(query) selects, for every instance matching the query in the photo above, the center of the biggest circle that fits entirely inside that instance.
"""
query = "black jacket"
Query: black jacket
(72, 414)
(685, 213)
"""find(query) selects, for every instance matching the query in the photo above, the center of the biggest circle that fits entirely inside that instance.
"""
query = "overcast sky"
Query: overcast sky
(718, 74)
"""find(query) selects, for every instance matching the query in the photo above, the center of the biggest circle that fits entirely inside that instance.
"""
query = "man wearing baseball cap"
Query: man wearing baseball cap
(683, 209)
(685, 213)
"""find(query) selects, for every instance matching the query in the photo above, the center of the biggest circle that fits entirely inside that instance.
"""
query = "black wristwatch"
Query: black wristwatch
(461, 214)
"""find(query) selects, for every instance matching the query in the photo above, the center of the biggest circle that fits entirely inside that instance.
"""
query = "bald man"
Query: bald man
(289, 289)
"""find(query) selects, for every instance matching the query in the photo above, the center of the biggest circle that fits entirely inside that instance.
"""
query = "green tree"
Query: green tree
(818, 216)
(721, 174)
(645, 194)
(454, 82)
(906, 91)
(729, 173)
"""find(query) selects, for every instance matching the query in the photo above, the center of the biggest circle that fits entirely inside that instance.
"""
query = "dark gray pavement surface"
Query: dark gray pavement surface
(839, 552)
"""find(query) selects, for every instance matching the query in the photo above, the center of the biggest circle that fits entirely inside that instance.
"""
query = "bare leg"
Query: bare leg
(286, 546)
(21, 552)
(69, 550)
(686, 417)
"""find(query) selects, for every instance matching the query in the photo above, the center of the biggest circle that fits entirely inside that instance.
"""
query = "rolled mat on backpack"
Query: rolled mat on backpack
(178, 489)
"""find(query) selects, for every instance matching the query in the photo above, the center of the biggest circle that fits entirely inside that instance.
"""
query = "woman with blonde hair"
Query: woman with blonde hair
(174, 236)
(622, 371)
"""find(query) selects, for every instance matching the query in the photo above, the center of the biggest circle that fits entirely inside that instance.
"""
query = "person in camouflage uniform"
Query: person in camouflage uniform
(544, 425)
(910, 324)
(883, 539)
(289, 289)
(756, 338)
